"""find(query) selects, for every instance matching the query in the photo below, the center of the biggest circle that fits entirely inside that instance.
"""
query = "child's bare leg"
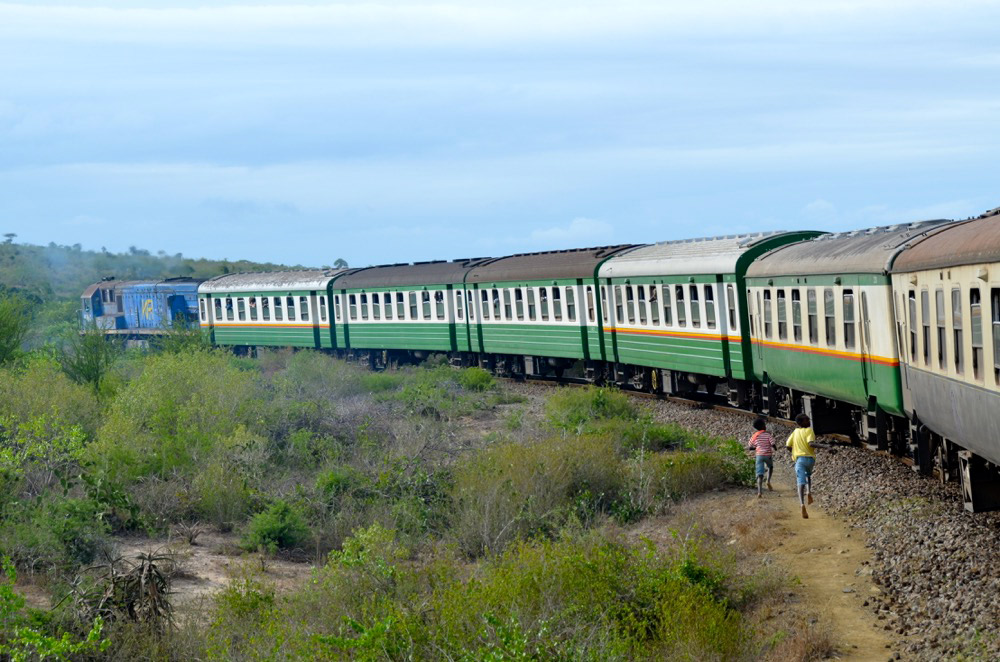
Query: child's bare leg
(770, 472)
(760, 485)
(809, 485)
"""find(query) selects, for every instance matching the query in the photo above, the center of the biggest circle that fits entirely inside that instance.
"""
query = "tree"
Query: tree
(10, 237)
(340, 263)
(88, 357)
(14, 324)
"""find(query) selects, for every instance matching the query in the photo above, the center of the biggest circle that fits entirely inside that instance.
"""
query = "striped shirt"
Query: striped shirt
(763, 442)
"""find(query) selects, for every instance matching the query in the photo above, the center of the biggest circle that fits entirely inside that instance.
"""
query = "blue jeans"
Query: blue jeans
(764, 462)
(804, 469)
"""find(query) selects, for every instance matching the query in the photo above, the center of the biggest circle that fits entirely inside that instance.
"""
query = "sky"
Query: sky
(388, 131)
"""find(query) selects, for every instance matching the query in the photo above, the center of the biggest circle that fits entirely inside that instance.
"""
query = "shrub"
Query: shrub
(573, 409)
(281, 526)
(476, 379)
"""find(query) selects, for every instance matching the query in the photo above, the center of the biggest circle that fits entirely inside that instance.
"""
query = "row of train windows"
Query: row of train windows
(766, 306)
(507, 304)
(975, 329)
(264, 309)
(665, 305)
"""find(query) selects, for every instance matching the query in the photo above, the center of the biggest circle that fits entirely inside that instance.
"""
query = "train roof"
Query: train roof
(114, 283)
(268, 281)
(869, 251)
(967, 242)
(418, 273)
(708, 255)
(572, 263)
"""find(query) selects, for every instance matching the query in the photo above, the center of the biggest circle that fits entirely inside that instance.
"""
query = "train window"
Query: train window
(376, 306)
(731, 305)
(591, 310)
(506, 306)
(414, 309)
(253, 308)
(543, 302)
(485, 298)
(695, 306)
(571, 303)
(913, 326)
(641, 291)
(557, 303)
(400, 306)
(470, 301)
(995, 319)
(681, 307)
(849, 328)
(812, 312)
(265, 309)
(782, 316)
(830, 314)
(956, 322)
(976, 332)
(201, 309)
(654, 306)
(364, 306)
(866, 339)
(710, 316)
(439, 304)
(459, 306)
(290, 308)
(387, 306)
(425, 299)
(304, 309)
(218, 310)
(604, 303)
(279, 311)
(241, 309)
(925, 325)
(532, 306)
(767, 313)
(519, 303)
(796, 315)
(668, 313)
(619, 303)
(756, 316)
(942, 335)
(322, 308)
(630, 303)
(230, 314)
(496, 305)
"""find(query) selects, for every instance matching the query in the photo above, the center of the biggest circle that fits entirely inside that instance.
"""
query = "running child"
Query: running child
(802, 442)
(763, 443)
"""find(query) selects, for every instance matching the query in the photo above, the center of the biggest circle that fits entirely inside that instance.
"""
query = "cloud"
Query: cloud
(579, 232)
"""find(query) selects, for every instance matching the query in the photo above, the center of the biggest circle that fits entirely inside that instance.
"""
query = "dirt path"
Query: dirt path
(834, 567)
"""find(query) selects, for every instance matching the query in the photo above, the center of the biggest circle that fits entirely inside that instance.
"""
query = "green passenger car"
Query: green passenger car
(276, 309)
(537, 312)
(819, 314)
(417, 308)
(679, 306)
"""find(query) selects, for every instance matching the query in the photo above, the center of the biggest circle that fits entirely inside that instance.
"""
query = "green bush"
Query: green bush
(281, 526)
(573, 409)
(476, 379)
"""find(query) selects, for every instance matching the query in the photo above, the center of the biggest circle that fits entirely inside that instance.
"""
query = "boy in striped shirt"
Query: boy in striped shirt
(763, 443)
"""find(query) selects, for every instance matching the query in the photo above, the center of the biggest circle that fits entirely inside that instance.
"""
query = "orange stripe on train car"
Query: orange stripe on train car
(851, 356)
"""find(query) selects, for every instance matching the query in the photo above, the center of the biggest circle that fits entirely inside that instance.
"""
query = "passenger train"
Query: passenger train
(891, 334)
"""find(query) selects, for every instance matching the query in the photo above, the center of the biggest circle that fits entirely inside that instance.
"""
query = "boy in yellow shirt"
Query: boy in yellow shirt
(802, 442)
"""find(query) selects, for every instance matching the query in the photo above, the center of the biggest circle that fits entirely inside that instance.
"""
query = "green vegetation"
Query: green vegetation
(444, 517)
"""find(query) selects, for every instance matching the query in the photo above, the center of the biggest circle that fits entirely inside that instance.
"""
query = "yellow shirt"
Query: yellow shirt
(799, 442)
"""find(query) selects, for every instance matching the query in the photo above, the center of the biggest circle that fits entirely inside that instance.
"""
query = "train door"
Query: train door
(867, 374)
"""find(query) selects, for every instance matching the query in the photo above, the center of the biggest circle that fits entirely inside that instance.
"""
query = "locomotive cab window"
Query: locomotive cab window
(796, 315)
(830, 312)
(782, 316)
(849, 325)
(956, 322)
(976, 332)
